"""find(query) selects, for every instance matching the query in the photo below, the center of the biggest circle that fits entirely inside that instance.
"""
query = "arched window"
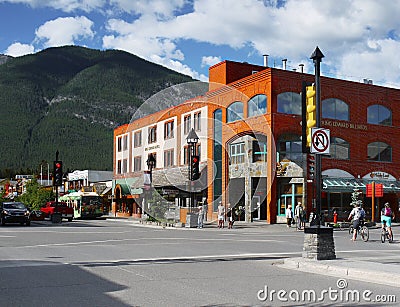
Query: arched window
(289, 103)
(257, 105)
(335, 109)
(340, 149)
(290, 147)
(379, 151)
(234, 111)
(379, 115)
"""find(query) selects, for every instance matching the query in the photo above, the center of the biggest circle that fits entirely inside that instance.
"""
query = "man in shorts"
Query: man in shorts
(386, 217)
(358, 215)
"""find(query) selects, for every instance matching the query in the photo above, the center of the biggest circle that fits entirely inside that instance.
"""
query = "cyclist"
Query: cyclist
(386, 217)
(358, 215)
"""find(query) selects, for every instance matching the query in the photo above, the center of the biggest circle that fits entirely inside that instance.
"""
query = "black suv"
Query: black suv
(14, 212)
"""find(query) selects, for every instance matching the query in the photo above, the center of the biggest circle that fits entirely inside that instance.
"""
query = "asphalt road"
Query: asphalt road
(115, 263)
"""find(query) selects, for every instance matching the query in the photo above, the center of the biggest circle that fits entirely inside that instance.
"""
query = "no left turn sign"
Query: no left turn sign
(320, 141)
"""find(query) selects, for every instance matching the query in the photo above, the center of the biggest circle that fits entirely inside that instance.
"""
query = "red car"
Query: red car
(61, 207)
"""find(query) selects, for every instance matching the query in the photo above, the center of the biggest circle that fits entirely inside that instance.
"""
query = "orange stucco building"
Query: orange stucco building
(249, 126)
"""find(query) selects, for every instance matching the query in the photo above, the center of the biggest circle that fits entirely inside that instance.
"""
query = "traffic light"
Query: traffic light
(311, 116)
(311, 166)
(194, 168)
(58, 173)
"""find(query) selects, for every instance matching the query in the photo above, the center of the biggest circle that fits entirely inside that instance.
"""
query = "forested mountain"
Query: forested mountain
(70, 99)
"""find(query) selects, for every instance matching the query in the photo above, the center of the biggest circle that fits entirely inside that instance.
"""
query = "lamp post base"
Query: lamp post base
(319, 243)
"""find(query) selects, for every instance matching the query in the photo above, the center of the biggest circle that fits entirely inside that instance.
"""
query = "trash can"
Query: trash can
(191, 220)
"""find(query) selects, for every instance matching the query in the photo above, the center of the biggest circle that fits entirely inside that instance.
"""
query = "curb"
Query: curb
(384, 274)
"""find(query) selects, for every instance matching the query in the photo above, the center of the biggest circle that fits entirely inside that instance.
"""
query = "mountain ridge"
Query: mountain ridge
(70, 99)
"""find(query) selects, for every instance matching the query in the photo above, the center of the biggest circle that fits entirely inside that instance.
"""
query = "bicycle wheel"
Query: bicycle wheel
(383, 235)
(364, 233)
(351, 229)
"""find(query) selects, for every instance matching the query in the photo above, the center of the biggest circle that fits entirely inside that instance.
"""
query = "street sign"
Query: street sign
(378, 190)
(320, 141)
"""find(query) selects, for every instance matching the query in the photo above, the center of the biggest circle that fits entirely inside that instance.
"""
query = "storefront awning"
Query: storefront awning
(348, 184)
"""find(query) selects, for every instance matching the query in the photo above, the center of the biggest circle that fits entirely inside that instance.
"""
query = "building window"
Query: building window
(217, 157)
(290, 148)
(198, 149)
(137, 164)
(257, 105)
(379, 115)
(289, 103)
(137, 141)
(119, 144)
(187, 125)
(152, 138)
(234, 112)
(335, 109)
(197, 121)
(119, 167)
(125, 143)
(259, 151)
(186, 155)
(169, 130)
(237, 153)
(379, 151)
(339, 149)
(124, 166)
(169, 158)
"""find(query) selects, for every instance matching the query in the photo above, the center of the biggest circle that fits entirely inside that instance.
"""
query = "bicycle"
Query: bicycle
(362, 230)
(385, 234)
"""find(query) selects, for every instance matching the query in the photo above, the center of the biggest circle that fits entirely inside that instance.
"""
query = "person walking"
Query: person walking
(230, 217)
(200, 217)
(303, 217)
(289, 216)
(221, 215)
(298, 212)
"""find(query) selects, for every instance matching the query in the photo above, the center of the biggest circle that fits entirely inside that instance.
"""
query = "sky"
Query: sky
(360, 39)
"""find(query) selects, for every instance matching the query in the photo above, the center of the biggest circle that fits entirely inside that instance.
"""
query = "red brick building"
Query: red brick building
(251, 142)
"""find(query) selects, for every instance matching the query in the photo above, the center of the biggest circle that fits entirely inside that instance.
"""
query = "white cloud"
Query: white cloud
(63, 5)
(357, 37)
(210, 60)
(161, 8)
(18, 49)
(344, 30)
(64, 31)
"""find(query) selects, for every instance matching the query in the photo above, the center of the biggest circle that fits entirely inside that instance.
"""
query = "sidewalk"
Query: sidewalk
(379, 273)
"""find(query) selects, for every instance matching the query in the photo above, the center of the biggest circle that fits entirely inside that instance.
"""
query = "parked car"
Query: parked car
(14, 212)
(51, 207)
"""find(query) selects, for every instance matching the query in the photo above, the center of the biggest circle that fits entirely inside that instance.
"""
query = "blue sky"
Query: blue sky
(359, 38)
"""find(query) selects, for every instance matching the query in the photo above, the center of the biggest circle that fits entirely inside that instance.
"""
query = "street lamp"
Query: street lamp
(192, 140)
(148, 180)
(151, 163)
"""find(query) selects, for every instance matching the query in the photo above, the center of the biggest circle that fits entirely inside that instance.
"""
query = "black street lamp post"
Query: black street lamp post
(148, 180)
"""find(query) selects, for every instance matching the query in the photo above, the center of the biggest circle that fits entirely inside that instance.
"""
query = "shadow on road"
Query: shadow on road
(36, 283)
